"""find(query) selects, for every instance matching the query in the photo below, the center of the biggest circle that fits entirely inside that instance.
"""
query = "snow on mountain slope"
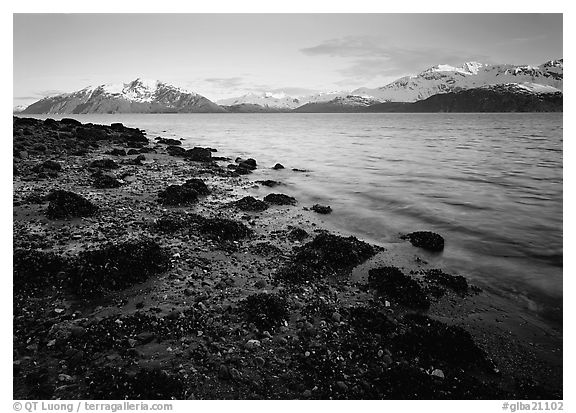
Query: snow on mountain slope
(265, 99)
(137, 96)
(445, 78)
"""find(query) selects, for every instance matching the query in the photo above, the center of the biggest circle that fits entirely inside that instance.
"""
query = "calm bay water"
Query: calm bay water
(491, 184)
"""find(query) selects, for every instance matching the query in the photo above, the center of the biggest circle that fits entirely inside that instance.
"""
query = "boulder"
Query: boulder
(425, 239)
(280, 199)
(178, 195)
(391, 283)
(176, 150)
(104, 164)
(278, 166)
(199, 154)
(321, 209)
(249, 203)
(65, 204)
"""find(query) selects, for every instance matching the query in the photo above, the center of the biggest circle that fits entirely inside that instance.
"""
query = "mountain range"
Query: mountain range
(472, 86)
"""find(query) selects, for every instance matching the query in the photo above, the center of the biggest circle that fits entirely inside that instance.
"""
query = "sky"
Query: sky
(227, 55)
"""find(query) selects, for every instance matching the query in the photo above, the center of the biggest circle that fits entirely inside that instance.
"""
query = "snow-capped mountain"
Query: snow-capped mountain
(348, 103)
(265, 99)
(138, 96)
(446, 78)
(19, 108)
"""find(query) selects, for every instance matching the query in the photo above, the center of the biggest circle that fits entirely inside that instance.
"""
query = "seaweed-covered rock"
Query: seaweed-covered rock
(249, 203)
(224, 229)
(280, 199)
(297, 234)
(199, 154)
(325, 255)
(69, 121)
(266, 310)
(321, 209)
(392, 283)
(456, 283)
(169, 141)
(66, 204)
(104, 164)
(242, 170)
(33, 268)
(426, 240)
(103, 181)
(198, 185)
(432, 341)
(176, 150)
(116, 266)
(268, 182)
(178, 195)
(248, 163)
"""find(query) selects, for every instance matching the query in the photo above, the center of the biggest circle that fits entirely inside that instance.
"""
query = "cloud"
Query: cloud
(49, 92)
(367, 58)
(225, 82)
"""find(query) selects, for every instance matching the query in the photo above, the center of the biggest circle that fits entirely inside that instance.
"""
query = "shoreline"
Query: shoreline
(240, 354)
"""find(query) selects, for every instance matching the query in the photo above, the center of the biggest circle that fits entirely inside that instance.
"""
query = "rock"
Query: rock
(260, 284)
(437, 373)
(336, 316)
(224, 229)
(242, 170)
(325, 255)
(116, 266)
(188, 292)
(106, 181)
(199, 154)
(104, 164)
(248, 164)
(456, 283)
(145, 337)
(65, 378)
(252, 344)
(117, 152)
(307, 394)
(198, 185)
(169, 141)
(65, 204)
(72, 122)
(259, 362)
(117, 126)
(48, 165)
(269, 183)
(223, 372)
(280, 199)
(387, 359)
(425, 239)
(178, 195)
(77, 331)
(391, 282)
(249, 203)
(341, 386)
(278, 166)
(176, 150)
(321, 209)
(297, 234)
(133, 151)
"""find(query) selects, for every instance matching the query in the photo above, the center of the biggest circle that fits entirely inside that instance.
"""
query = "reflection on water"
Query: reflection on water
(490, 183)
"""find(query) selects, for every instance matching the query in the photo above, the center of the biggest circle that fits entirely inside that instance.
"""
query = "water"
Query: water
(491, 184)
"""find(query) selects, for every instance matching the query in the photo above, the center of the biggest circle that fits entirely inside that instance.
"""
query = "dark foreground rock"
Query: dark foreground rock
(280, 199)
(322, 209)
(178, 195)
(325, 255)
(278, 166)
(66, 204)
(391, 283)
(116, 266)
(103, 181)
(224, 229)
(427, 240)
(249, 203)
(266, 310)
(439, 278)
(104, 164)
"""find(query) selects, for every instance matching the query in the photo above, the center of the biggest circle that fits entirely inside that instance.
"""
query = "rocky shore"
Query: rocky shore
(145, 270)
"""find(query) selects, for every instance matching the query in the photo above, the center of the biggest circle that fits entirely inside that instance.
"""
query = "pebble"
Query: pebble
(336, 316)
(340, 385)
(65, 378)
(252, 344)
(259, 361)
(307, 393)
(438, 373)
